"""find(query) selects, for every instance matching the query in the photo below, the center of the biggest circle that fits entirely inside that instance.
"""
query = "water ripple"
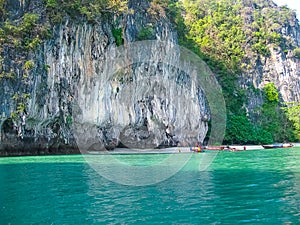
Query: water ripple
(257, 187)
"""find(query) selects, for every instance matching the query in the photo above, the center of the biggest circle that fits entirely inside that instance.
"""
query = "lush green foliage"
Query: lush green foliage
(217, 29)
(227, 29)
(145, 33)
(228, 34)
(118, 35)
(28, 65)
(223, 67)
(92, 9)
(293, 113)
(23, 35)
(241, 130)
(21, 100)
(271, 125)
(271, 93)
(272, 117)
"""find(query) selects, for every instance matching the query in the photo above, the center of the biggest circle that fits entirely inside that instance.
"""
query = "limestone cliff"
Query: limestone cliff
(79, 97)
(74, 81)
(281, 66)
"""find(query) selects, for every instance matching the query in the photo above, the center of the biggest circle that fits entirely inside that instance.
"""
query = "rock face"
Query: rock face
(84, 93)
(280, 67)
(83, 97)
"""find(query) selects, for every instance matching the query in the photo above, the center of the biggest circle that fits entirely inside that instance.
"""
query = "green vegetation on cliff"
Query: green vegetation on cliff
(272, 118)
(22, 35)
(229, 35)
(92, 9)
(293, 113)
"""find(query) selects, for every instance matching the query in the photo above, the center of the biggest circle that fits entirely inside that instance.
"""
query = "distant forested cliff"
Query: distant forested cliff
(53, 56)
(253, 47)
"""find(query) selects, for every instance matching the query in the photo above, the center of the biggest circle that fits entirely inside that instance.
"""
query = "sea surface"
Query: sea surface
(247, 187)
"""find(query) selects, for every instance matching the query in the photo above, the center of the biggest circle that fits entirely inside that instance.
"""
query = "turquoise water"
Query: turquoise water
(252, 187)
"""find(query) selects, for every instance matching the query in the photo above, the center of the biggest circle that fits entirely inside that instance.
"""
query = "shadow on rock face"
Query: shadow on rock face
(111, 144)
(140, 137)
(88, 138)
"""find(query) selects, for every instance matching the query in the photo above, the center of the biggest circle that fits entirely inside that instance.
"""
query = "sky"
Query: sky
(292, 4)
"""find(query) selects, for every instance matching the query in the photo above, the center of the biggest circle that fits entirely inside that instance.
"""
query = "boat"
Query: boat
(212, 148)
(222, 148)
(206, 148)
(278, 145)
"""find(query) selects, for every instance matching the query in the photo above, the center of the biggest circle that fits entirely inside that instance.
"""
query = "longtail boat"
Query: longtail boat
(279, 145)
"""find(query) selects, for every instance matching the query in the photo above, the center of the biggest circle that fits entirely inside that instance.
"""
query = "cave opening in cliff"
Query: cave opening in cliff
(7, 129)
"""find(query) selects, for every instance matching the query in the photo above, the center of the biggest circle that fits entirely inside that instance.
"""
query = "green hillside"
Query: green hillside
(231, 36)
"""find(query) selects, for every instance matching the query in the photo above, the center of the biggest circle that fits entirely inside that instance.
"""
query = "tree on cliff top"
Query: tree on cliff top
(92, 9)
